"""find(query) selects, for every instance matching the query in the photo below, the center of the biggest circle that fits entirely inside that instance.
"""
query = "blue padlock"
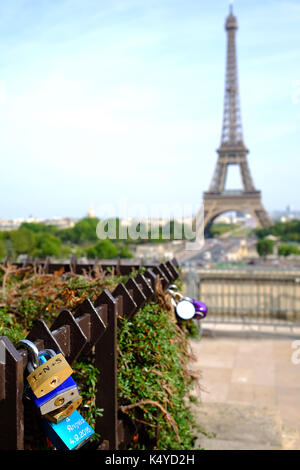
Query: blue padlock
(70, 434)
(64, 393)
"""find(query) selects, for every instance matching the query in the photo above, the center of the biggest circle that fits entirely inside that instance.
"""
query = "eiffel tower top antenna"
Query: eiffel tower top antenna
(232, 133)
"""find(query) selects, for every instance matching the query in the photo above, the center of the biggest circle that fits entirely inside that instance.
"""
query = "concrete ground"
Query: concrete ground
(251, 392)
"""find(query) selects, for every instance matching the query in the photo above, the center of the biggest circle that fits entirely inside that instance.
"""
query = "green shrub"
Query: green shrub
(103, 249)
(288, 249)
(153, 379)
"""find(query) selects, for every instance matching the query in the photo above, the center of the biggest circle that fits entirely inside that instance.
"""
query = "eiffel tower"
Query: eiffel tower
(232, 150)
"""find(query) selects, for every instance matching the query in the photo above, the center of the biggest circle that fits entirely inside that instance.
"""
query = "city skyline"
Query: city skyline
(98, 101)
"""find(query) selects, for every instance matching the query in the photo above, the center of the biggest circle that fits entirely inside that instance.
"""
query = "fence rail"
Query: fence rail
(247, 295)
(91, 325)
(122, 266)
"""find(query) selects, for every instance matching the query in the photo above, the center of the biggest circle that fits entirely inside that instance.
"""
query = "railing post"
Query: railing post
(106, 362)
(11, 389)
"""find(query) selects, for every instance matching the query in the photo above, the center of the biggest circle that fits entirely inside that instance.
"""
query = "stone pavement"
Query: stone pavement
(251, 392)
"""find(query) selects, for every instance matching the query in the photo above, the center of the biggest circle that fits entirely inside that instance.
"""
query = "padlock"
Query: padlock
(60, 396)
(201, 309)
(49, 374)
(63, 412)
(185, 309)
(69, 434)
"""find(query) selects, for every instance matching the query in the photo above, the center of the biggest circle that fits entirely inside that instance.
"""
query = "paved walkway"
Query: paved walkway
(251, 396)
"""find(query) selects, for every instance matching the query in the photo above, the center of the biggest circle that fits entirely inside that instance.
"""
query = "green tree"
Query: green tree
(288, 249)
(264, 247)
(23, 240)
(67, 235)
(2, 248)
(85, 230)
(103, 249)
(37, 227)
(47, 245)
(286, 231)
(125, 252)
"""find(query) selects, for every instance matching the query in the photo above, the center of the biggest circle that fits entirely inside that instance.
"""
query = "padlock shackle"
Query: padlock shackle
(45, 352)
(177, 295)
(171, 287)
(33, 351)
(41, 359)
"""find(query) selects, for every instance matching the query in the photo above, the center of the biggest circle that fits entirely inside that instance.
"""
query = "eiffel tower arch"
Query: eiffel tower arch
(248, 203)
(232, 150)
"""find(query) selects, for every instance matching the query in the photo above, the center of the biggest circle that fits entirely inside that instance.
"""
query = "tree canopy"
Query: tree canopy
(265, 247)
(40, 240)
(286, 231)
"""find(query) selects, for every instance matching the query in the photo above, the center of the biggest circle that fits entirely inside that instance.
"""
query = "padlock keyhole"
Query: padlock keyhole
(54, 382)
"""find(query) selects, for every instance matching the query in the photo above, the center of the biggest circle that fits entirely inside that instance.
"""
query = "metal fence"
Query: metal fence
(91, 325)
(247, 295)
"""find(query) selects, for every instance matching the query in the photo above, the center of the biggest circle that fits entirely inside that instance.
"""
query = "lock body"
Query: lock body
(201, 309)
(49, 375)
(63, 412)
(60, 396)
(185, 309)
(69, 434)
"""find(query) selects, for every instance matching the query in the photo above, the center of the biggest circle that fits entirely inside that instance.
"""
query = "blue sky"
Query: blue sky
(102, 100)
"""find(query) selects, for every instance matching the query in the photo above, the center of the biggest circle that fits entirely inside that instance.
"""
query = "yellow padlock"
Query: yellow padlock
(49, 374)
(59, 415)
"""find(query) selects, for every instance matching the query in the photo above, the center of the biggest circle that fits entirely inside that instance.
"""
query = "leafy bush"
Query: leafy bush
(153, 379)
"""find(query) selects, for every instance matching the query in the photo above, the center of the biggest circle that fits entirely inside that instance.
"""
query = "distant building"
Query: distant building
(223, 219)
(91, 212)
(149, 252)
(10, 224)
(61, 222)
(238, 252)
(14, 224)
(286, 215)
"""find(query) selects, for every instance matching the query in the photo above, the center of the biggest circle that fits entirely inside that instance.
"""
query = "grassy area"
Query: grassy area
(219, 229)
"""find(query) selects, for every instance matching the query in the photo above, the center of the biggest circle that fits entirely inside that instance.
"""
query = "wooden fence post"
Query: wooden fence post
(106, 362)
(11, 389)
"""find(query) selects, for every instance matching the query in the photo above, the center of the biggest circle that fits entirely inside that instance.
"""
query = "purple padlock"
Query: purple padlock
(201, 309)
